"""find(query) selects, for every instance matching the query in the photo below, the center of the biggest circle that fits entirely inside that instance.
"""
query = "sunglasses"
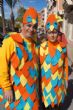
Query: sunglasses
(52, 32)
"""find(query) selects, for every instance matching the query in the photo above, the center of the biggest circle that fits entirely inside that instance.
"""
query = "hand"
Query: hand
(8, 95)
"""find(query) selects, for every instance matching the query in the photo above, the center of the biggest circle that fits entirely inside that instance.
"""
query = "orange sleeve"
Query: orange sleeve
(66, 68)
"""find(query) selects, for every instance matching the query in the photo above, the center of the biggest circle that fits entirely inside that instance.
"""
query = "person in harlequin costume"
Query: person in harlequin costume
(54, 65)
(18, 67)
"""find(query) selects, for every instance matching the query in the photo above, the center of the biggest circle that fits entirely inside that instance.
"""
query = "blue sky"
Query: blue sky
(38, 4)
(7, 10)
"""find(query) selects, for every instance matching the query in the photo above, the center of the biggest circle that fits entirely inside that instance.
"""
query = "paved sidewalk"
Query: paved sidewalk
(68, 104)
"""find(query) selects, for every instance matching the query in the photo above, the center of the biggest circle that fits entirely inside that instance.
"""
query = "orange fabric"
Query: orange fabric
(56, 89)
(16, 103)
(0, 99)
(63, 44)
(45, 81)
(24, 52)
(25, 94)
(52, 48)
(66, 69)
(42, 59)
(59, 97)
(8, 108)
(21, 89)
(33, 96)
(62, 56)
(14, 109)
(15, 60)
(17, 38)
(24, 71)
(52, 104)
(54, 68)
(29, 12)
(35, 107)
(51, 18)
(60, 70)
(15, 88)
(19, 73)
(31, 81)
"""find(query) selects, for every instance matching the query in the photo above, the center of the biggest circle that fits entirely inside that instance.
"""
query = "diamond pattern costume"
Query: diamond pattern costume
(24, 74)
(54, 72)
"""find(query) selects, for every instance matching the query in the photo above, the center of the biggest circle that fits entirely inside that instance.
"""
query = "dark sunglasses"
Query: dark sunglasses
(34, 27)
(52, 32)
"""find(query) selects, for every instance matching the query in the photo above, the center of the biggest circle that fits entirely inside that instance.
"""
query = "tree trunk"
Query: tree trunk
(3, 17)
(12, 20)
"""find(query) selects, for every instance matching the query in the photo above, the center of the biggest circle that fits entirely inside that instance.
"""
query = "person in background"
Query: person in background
(18, 67)
(54, 65)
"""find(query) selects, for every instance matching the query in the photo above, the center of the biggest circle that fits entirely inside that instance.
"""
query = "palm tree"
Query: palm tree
(11, 4)
(3, 17)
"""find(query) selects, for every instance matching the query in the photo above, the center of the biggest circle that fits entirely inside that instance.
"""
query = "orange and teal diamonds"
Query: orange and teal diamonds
(16, 79)
(30, 89)
(19, 106)
(42, 72)
(27, 106)
(31, 103)
(56, 58)
(54, 82)
(29, 55)
(19, 53)
(3, 101)
(49, 101)
(48, 74)
(59, 82)
(48, 59)
(45, 92)
(27, 50)
(22, 102)
(32, 72)
(12, 105)
(58, 53)
(46, 66)
(36, 72)
(53, 93)
(63, 96)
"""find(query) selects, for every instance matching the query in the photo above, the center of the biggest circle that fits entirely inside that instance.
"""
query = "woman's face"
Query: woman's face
(52, 35)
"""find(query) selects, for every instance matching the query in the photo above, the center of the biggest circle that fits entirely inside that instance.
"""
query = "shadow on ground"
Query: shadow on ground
(69, 97)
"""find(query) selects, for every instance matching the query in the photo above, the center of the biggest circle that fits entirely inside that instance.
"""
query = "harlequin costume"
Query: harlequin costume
(20, 52)
(54, 67)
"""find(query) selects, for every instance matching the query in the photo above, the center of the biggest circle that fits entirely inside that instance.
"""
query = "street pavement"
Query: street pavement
(68, 104)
